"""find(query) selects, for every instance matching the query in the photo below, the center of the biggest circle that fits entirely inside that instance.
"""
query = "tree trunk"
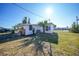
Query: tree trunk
(43, 29)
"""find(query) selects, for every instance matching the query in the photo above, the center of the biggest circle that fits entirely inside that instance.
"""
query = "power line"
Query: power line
(28, 10)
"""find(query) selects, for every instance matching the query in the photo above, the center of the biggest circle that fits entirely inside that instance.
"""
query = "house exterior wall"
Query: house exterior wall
(27, 31)
(36, 27)
(51, 29)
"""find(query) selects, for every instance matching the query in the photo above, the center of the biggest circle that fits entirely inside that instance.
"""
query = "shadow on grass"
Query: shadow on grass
(46, 37)
(38, 41)
(51, 38)
(11, 37)
(38, 46)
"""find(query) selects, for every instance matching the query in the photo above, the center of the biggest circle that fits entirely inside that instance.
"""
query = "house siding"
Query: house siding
(50, 30)
(27, 31)
(36, 28)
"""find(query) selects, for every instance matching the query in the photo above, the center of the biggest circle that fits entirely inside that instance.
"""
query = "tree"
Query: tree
(54, 26)
(75, 27)
(77, 20)
(24, 20)
(43, 24)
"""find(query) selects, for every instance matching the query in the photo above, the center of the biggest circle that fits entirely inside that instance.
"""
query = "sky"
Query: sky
(62, 15)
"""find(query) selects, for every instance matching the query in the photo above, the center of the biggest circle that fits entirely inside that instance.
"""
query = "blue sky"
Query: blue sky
(63, 14)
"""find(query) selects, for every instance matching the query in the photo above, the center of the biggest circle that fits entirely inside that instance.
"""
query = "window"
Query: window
(30, 27)
(47, 28)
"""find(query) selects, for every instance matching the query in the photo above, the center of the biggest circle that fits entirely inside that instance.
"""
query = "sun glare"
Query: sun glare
(49, 11)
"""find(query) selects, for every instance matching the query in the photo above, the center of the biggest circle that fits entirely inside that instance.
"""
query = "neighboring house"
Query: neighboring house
(28, 29)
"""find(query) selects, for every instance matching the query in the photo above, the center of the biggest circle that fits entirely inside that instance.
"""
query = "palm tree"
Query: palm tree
(54, 26)
(24, 20)
(43, 24)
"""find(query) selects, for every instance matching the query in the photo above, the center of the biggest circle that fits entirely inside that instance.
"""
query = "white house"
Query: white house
(28, 29)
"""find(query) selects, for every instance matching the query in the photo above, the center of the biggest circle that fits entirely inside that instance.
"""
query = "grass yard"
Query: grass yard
(67, 45)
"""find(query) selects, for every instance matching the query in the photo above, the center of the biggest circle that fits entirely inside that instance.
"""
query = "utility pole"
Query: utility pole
(49, 20)
(28, 20)
(77, 21)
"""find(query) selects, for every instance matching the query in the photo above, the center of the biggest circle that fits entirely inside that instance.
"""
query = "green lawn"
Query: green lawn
(68, 44)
